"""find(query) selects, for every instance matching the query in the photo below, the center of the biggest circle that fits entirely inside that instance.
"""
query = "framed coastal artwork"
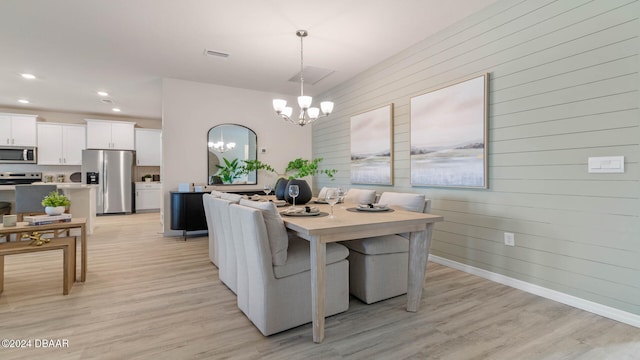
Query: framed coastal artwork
(449, 135)
(372, 147)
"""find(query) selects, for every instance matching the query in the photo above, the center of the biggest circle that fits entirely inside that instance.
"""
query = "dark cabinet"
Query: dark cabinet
(187, 212)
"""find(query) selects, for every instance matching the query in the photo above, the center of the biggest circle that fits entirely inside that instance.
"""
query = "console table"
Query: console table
(187, 210)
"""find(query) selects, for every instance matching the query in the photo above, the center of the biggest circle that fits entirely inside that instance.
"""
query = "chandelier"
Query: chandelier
(308, 114)
(220, 146)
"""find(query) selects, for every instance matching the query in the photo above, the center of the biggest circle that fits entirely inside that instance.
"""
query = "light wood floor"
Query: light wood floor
(151, 297)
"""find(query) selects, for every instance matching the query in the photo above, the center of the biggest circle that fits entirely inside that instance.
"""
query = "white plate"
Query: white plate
(374, 209)
(320, 201)
(301, 213)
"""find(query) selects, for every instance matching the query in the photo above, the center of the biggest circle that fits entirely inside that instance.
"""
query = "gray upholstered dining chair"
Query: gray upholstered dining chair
(279, 296)
(378, 266)
(227, 264)
(360, 196)
(208, 214)
(29, 199)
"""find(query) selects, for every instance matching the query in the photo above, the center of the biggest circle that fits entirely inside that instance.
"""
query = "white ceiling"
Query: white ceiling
(125, 47)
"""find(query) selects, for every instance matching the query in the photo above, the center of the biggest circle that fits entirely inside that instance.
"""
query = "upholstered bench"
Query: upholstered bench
(66, 244)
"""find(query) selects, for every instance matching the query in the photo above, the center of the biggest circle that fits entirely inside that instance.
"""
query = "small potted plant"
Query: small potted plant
(55, 203)
(147, 178)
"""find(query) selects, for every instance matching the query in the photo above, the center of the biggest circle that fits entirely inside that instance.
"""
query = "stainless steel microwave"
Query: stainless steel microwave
(17, 155)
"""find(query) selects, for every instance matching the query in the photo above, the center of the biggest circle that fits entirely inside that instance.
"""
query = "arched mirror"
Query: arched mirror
(228, 146)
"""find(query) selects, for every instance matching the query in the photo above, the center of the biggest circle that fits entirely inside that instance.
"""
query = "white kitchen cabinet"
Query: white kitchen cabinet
(110, 135)
(148, 147)
(148, 195)
(60, 144)
(17, 130)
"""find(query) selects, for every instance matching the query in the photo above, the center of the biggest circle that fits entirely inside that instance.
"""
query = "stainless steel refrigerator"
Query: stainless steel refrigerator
(112, 171)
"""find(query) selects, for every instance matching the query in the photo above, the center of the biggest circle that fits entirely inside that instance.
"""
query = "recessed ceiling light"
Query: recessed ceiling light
(103, 93)
(23, 101)
(116, 109)
(28, 76)
(215, 53)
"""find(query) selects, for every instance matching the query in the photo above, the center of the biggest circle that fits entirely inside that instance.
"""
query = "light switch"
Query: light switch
(606, 164)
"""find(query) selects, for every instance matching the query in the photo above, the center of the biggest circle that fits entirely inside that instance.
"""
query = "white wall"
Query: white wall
(563, 87)
(190, 109)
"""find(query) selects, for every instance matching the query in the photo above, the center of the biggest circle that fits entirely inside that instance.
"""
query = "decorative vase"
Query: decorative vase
(54, 210)
(281, 188)
(305, 194)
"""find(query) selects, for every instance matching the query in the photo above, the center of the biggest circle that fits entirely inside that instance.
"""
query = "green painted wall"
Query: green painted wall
(563, 87)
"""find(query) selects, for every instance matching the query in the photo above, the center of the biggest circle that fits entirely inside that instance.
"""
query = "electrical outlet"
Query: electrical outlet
(509, 239)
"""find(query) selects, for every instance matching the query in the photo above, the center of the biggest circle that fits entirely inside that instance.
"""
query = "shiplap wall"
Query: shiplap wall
(563, 87)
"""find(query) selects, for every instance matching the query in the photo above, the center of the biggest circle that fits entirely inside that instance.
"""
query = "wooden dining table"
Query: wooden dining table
(349, 224)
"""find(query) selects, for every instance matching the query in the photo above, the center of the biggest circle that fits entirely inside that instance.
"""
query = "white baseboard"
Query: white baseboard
(590, 306)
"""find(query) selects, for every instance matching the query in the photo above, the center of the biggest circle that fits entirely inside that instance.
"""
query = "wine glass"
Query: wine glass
(294, 191)
(332, 198)
(267, 189)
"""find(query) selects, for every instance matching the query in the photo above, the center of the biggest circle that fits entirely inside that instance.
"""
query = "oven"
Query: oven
(19, 178)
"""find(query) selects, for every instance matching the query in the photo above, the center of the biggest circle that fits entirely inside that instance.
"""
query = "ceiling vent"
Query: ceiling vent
(107, 101)
(312, 75)
(215, 53)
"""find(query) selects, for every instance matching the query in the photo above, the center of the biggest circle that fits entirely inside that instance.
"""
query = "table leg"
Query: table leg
(318, 268)
(69, 266)
(83, 253)
(2, 273)
(419, 244)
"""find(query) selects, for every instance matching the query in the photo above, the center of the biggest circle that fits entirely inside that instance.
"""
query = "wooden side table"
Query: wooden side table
(75, 223)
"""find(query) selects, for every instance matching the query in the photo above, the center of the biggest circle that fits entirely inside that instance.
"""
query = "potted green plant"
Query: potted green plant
(147, 177)
(255, 165)
(300, 168)
(296, 170)
(229, 171)
(55, 203)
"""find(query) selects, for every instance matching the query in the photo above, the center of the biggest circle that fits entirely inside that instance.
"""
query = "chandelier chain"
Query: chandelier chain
(301, 66)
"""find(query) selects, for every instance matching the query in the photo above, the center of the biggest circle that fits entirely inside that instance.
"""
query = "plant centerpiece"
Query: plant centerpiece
(147, 177)
(55, 203)
(255, 165)
(295, 171)
(234, 169)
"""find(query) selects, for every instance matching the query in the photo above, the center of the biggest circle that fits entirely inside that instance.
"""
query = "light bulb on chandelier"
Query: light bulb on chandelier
(308, 114)
(221, 146)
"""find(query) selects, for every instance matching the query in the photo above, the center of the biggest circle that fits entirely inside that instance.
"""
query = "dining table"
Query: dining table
(350, 222)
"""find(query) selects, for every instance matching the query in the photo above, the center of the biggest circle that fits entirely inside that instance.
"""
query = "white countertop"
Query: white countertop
(59, 185)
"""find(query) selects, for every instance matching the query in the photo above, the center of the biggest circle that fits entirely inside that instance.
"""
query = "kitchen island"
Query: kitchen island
(82, 197)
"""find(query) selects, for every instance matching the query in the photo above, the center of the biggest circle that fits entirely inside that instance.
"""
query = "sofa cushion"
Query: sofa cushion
(377, 245)
(298, 257)
(278, 238)
(405, 201)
